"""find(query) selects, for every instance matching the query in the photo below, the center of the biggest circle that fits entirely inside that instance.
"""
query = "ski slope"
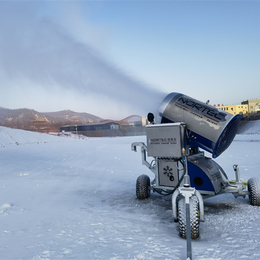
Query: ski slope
(10, 136)
(69, 198)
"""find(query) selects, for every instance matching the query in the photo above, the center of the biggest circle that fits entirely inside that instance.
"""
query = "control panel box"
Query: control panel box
(168, 173)
(164, 140)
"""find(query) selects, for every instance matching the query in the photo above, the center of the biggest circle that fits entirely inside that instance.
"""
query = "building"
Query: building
(90, 127)
(248, 109)
(253, 105)
(235, 109)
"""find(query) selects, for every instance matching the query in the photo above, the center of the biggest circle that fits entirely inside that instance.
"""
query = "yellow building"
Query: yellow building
(241, 109)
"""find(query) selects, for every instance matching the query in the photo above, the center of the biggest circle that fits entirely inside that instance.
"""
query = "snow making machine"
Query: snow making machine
(182, 126)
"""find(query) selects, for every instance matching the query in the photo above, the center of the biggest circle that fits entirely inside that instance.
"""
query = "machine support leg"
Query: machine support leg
(235, 167)
(188, 232)
(187, 193)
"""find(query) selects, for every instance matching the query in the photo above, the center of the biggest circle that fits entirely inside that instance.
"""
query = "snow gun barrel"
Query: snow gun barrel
(209, 128)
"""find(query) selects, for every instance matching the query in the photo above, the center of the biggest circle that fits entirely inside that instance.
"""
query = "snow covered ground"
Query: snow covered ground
(68, 198)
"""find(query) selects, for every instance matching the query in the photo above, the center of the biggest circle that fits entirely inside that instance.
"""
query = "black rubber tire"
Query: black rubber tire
(253, 185)
(143, 187)
(194, 218)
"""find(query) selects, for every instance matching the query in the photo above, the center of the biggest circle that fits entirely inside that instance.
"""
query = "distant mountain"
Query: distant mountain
(32, 115)
(23, 114)
(29, 119)
(72, 116)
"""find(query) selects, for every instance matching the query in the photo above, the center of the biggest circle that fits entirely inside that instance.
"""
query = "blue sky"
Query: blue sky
(115, 58)
(183, 46)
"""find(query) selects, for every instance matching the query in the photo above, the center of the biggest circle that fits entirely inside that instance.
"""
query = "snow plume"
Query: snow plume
(40, 54)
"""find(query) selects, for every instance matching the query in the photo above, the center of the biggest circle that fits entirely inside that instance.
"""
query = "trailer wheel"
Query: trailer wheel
(253, 185)
(143, 187)
(194, 218)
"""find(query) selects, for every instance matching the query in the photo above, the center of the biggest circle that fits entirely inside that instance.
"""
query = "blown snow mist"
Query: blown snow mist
(39, 50)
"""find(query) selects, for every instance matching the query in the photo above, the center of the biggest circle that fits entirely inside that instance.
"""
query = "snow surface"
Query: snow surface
(250, 127)
(67, 198)
(10, 136)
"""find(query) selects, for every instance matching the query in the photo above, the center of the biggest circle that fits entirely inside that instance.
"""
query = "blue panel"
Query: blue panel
(194, 171)
(200, 141)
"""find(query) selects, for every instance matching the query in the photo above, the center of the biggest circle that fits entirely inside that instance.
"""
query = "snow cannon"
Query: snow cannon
(209, 128)
(172, 153)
